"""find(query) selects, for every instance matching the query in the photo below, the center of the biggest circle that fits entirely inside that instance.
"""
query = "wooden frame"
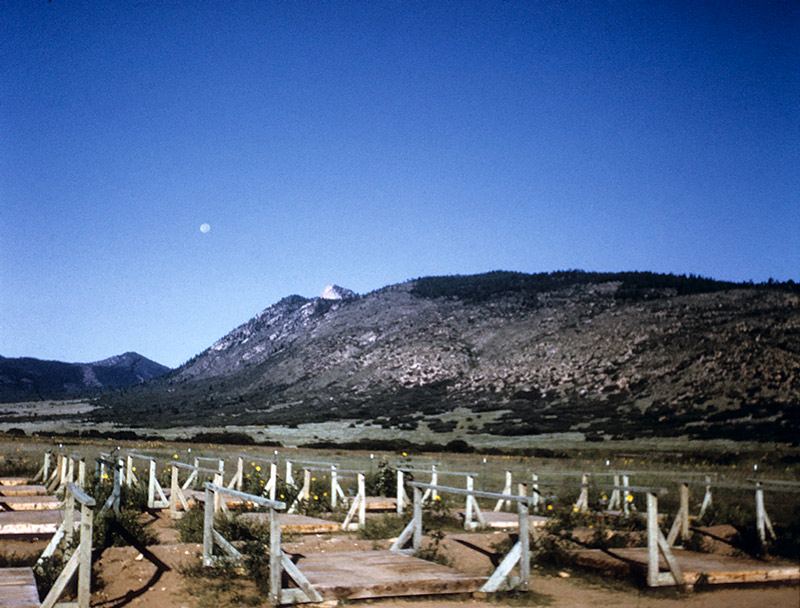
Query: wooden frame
(178, 500)
(279, 562)
(81, 558)
(114, 499)
(519, 553)
(156, 499)
(657, 544)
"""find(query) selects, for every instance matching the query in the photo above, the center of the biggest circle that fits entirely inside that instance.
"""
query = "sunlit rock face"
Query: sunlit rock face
(334, 292)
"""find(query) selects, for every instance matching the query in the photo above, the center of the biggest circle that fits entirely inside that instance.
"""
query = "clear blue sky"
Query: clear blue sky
(366, 143)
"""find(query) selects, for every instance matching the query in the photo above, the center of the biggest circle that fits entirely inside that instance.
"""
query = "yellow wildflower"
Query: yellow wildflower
(258, 469)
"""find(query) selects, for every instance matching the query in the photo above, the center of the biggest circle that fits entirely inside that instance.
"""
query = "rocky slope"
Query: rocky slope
(25, 378)
(626, 354)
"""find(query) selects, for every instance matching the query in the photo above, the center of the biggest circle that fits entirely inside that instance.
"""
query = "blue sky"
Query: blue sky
(366, 143)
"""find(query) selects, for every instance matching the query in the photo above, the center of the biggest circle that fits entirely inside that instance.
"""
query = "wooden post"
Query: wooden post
(685, 511)
(69, 517)
(275, 568)
(129, 476)
(417, 538)
(208, 529)
(116, 493)
(652, 540)
(615, 501)
(524, 539)
(289, 478)
(763, 523)
(627, 497)
(707, 500)
(81, 472)
(400, 492)
(468, 513)
(174, 488)
(362, 506)
(85, 564)
(46, 466)
(151, 485)
(583, 499)
(273, 477)
(334, 497)
(218, 503)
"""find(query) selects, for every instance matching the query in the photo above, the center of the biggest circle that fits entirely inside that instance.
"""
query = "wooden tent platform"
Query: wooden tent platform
(711, 569)
(29, 503)
(380, 503)
(292, 523)
(371, 574)
(32, 522)
(22, 490)
(194, 497)
(18, 588)
(13, 481)
(505, 521)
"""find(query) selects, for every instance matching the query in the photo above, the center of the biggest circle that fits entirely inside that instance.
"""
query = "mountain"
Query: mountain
(608, 354)
(27, 379)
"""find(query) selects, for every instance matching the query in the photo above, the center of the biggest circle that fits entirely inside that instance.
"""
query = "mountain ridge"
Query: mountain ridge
(29, 378)
(607, 354)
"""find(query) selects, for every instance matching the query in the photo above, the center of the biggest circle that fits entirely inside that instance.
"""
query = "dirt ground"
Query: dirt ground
(157, 578)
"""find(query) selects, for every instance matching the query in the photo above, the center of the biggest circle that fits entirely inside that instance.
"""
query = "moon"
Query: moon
(205, 228)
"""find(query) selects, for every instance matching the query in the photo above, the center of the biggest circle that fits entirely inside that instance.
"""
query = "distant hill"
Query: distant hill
(28, 379)
(632, 354)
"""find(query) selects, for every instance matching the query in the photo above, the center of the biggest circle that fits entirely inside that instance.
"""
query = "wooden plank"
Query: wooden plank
(18, 588)
(194, 497)
(29, 503)
(13, 481)
(293, 523)
(506, 521)
(32, 522)
(712, 569)
(371, 574)
(23, 490)
(380, 503)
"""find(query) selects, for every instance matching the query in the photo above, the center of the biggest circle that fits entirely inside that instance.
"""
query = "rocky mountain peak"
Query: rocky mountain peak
(335, 292)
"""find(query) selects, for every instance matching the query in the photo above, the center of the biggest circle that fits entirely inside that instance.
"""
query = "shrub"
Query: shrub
(190, 526)
(382, 527)
(383, 482)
